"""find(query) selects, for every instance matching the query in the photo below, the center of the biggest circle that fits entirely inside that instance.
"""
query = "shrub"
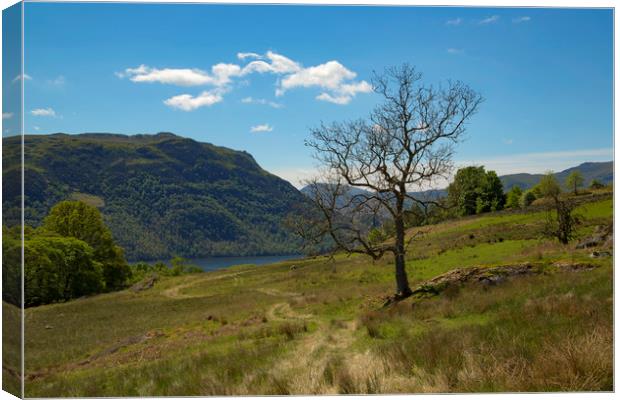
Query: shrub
(513, 197)
(595, 184)
(527, 198)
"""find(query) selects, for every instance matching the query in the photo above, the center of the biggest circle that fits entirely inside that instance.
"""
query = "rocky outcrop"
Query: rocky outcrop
(145, 283)
(488, 276)
(603, 236)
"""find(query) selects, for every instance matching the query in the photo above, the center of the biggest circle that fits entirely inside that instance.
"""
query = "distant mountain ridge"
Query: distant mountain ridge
(601, 171)
(161, 195)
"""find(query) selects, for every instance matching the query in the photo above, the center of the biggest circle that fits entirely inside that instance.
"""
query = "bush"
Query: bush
(59, 269)
(513, 198)
(596, 184)
(527, 198)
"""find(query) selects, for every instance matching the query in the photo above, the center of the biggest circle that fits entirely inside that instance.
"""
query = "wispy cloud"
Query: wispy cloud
(220, 75)
(519, 20)
(251, 100)
(36, 128)
(19, 78)
(7, 115)
(261, 128)
(187, 102)
(454, 22)
(453, 50)
(58, 81)
(489, 20)
(508, 141)
(337, 83)
(43, 112)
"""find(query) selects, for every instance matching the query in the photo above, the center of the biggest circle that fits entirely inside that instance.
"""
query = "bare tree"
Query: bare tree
(370, 166)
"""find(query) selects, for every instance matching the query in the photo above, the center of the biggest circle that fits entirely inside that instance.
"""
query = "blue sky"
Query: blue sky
(546, 75)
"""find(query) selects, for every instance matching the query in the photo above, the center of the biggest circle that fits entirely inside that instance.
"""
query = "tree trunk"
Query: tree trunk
(402, 283)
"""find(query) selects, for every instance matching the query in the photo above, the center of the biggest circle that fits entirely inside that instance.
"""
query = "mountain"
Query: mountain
(161, 195)
(601, 171)
(351, 191)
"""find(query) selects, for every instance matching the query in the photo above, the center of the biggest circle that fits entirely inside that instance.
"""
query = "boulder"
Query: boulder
(145, 283)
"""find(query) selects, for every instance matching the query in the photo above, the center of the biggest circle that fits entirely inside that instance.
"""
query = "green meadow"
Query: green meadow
(319, 325)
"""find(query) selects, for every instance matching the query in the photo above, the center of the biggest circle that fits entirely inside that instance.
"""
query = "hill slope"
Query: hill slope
(160, 194)
(319, 327)
(601, 171)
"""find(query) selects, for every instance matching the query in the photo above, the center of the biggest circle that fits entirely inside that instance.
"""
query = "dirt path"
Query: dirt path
(175, 291)
(308, 366)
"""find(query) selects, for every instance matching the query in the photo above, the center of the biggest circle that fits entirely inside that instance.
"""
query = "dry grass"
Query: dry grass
(319, 329)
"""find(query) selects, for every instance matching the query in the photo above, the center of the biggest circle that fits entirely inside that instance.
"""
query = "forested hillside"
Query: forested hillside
(161, 195)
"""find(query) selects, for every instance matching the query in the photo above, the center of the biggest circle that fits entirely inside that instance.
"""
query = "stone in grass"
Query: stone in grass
(146, 283)
(599, 254)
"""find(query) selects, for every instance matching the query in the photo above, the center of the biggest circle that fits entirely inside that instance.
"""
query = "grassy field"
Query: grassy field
(317, 325)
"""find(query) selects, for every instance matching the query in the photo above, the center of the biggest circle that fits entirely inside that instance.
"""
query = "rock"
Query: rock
(599, 254)
(488, 276)
(573, 267)
(603, 235)
(48, 327)
(145, 284)
(591, 242)
(293, 267)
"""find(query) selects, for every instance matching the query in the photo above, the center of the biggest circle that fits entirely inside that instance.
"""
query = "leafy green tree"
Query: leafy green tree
(513, 198)
(574, 181)
(463, 192)
(475, 191)
(549, 186)
(59, 268)
(11, 265)
(527, 198)
(84, 222)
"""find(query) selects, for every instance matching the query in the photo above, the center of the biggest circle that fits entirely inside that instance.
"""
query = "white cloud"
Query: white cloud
(243, 56)
(508, 141)
(187, 102)
(521, 19)
(36, 128)
(19, 77)
(271, 62)
(489, 20)
(59, 81)
(251, 100)
(261, 128)
(338, 82)
(332, 76)
(453, 50)
(43, 112)
(220, 75)
(342, 100)
(329, 75)
(7, 115)
(454, 22)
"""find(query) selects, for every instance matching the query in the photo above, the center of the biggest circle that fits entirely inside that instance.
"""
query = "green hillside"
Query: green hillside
(160, 194)
(317, 325)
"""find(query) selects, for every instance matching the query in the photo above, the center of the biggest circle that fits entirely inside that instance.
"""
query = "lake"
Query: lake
(214, 263)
